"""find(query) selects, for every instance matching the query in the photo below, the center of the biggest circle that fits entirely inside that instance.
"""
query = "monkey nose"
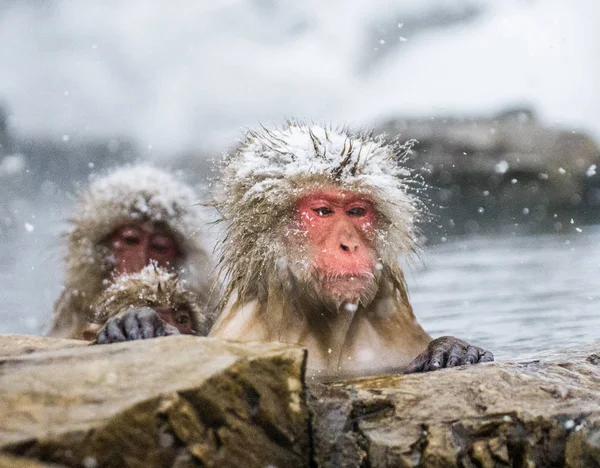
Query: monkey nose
(349, 246)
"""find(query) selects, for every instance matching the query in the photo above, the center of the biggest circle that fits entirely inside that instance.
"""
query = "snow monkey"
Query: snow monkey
(121, 222)
(132, 300)
(315, 219)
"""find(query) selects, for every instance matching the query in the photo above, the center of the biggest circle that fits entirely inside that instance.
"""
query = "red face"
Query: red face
(180, 319)
(340, 226)
(134, 245)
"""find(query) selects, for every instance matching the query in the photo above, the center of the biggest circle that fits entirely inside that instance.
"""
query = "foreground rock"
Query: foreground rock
(542, 413)
(178, 401)
(185, 401)
(17, 345)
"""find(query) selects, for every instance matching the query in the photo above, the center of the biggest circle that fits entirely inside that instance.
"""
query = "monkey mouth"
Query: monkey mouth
(347, 287)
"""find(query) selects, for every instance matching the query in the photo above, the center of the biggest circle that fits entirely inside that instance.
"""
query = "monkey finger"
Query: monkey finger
(170, 330)
(471, 356)
(131, 326)
(418, 364)
(455, 354)
(114, 333)
(438, 359)
(148, 328)
(486, 356)
(149, 323)
(101, 337)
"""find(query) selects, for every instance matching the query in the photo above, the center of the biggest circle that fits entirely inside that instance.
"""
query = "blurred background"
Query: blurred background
(503, 96)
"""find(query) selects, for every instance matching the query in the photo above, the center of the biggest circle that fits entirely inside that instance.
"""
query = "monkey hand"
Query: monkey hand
(448, 351)
(134, 324)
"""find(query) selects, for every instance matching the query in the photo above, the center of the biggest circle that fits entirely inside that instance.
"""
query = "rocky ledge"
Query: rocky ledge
(169, 402)
(539, 413)
(185, 401)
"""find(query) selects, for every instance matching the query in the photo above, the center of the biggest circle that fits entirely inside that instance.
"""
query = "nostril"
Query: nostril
(345, 248)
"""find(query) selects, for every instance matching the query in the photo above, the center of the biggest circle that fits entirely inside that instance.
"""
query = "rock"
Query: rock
(185, 401)
(504, 170)
(8, 461)
(168, 402)
(16, 345)
(544, 412)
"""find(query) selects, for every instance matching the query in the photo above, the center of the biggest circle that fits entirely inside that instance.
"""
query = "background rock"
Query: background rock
(506, 171)
(543, 413)
(177, 401)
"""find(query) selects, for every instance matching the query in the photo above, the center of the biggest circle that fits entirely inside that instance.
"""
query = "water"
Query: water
(512, 295)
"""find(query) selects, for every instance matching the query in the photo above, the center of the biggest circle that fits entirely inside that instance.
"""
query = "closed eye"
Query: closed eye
(159, 248)
(161, 244)
(131, 239)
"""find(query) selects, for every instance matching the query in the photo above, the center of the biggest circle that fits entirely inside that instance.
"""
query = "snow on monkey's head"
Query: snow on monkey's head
(321, 206)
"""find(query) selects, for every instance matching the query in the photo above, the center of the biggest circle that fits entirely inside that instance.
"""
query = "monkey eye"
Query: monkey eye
(131, 239)
(323, 211)
(159, 248)
(357, 211)
(161, 244)
(182, 319)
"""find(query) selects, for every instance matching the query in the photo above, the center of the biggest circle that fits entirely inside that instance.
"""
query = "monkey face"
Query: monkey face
(134, 245)
(180, 319)
(339, 229)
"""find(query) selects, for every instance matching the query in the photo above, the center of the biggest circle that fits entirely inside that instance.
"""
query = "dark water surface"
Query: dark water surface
(512, 295)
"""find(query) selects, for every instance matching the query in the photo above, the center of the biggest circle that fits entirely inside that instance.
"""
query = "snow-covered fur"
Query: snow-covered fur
(135, 193)
(262, 180)
(153, 287)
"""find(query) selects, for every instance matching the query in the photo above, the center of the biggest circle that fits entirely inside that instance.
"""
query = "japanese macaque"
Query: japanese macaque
(122, 222)
(150, 303)
(315, 219)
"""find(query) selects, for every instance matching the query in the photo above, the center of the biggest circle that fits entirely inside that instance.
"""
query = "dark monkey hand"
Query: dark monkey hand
(134, 324)
(448, 351)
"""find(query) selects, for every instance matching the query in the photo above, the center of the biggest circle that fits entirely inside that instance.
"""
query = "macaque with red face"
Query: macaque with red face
(122, 222)
(315, 221)
(134, 246)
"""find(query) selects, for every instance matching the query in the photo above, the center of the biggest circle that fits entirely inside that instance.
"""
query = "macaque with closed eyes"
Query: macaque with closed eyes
(123, 221)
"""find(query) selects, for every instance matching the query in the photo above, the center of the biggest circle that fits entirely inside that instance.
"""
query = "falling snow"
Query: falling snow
(501, 167)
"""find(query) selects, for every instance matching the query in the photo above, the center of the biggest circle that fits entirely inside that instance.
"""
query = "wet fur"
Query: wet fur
(273, 292)
(138, 193)
(152, 287)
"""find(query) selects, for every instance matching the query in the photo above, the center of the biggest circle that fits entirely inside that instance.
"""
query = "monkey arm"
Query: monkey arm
(448, 351)
(134, 324)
